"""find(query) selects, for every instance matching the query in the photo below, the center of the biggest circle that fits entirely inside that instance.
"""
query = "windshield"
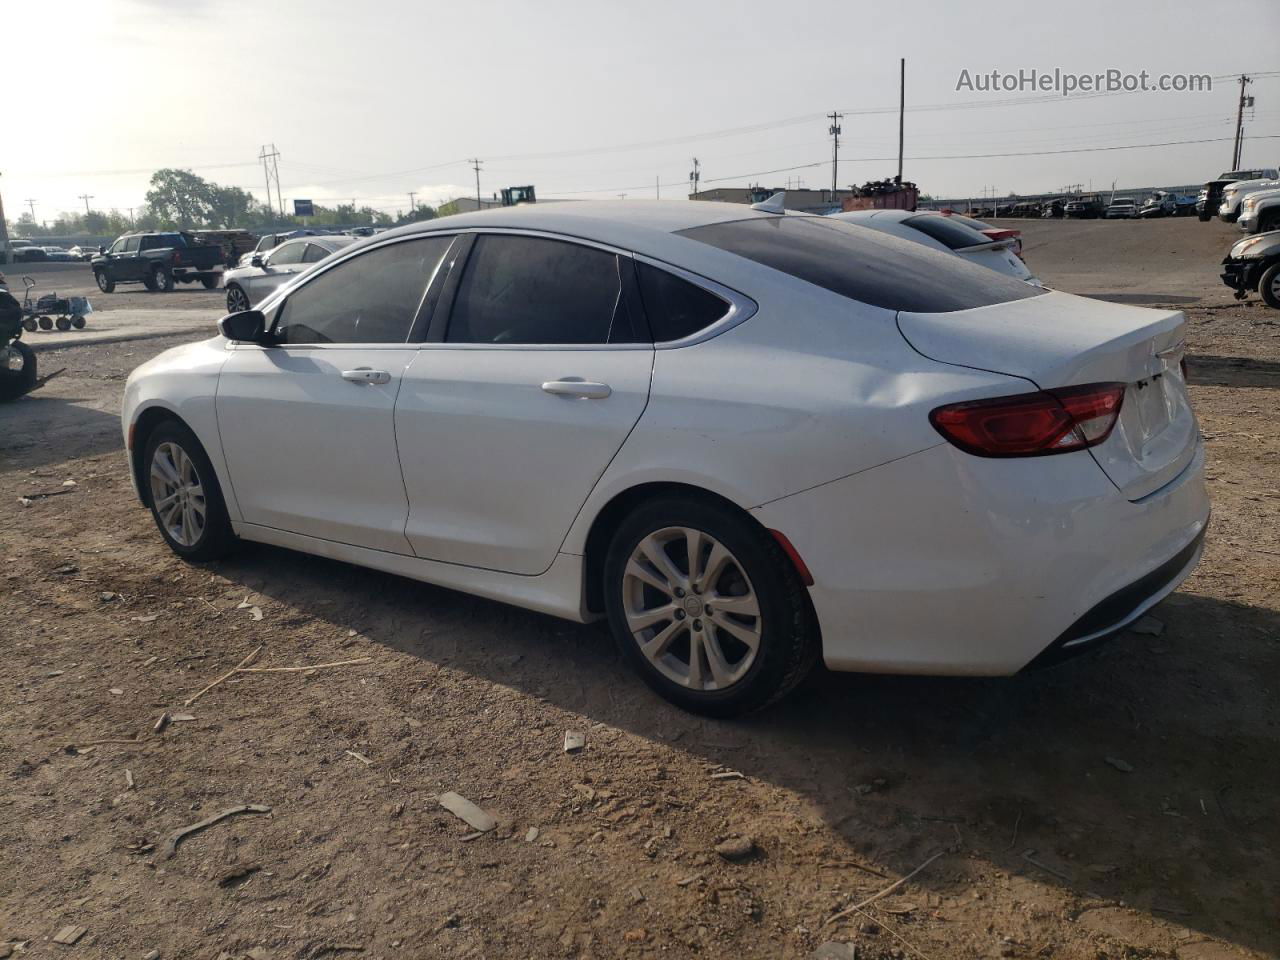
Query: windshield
(863, 264)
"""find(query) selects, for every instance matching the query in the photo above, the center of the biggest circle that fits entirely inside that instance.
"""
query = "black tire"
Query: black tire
(1269, 286)
(105, 284)
(237, 299)
(77, 321)
(17, 383)
(216, 539)
(29, 324)
(62, 323)
(45, 323)
(210, 283)
(788, 637)
(161, 279)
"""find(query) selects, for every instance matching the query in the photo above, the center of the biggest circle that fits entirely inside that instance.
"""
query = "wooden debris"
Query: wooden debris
(728, 775)
(149, 618)
(359, 756)
(230, 673)
(181, 717)
(162, 721)
(69, 934)
(466, 811)
(128, 778)
(856, 908)
(170, 845)
(314, 666)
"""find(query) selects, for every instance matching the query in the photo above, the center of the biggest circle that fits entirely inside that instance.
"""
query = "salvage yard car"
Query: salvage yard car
(1122, 208)
(157, 260)
(1234, 194)
(253, 282)
(944, 233)
(1260, 211)
(747, 439)
(1253, 264)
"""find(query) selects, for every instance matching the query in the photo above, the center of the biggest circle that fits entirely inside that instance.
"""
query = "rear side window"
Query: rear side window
(954, 235)
(161, 241)
(534, 290)
(315, 253)
(675, 307)
(372, 298)
(864, 265)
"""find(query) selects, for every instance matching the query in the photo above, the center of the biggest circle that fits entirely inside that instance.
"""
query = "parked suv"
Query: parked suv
(158, 260)
(1088, 207)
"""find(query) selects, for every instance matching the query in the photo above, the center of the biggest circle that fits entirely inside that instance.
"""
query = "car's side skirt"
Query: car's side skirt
(557, 592)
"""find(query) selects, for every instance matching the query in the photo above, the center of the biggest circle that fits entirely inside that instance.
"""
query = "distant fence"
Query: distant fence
(1137, 193)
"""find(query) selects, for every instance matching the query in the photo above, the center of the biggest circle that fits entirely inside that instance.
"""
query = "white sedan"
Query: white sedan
(266, 272)
(748, 439)
(946, 234)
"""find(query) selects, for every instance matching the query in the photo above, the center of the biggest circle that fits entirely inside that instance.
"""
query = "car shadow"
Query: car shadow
(1213, 371)
(45, 428)
(1143, 298)
(1142, 774)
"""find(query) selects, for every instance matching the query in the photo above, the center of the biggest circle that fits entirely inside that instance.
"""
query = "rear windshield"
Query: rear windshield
(863, 264)
(159, 241)
(946, 231)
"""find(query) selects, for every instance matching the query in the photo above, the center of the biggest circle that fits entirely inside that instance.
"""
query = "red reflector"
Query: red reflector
(794, 556)
(1032, 424)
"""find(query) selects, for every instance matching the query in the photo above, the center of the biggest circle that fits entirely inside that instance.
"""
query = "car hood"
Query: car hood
(1254, 248)
(1242, 187)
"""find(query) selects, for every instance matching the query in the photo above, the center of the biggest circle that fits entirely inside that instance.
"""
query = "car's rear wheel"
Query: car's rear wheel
(707, 608)
(184, 496)
(237, 299)
(1269, 285)
(161, 279)
(105, 284)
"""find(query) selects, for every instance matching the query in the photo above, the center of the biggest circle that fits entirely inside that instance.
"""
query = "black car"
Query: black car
(1254, 264)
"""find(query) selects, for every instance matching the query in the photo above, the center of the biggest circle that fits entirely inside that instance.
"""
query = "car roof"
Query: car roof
(889, 216)
(625, 223)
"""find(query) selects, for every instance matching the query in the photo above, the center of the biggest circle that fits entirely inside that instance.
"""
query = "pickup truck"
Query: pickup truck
(1260, 212)
(157, 260)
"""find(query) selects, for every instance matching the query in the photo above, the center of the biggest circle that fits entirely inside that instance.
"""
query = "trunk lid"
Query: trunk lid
(1059, 340)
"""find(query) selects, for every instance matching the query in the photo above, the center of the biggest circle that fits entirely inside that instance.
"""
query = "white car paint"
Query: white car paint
(1258, 210)
(804, 408)
(995, 255)
(1234, 194)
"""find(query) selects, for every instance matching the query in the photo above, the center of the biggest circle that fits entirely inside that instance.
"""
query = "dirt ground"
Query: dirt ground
(1123, 805)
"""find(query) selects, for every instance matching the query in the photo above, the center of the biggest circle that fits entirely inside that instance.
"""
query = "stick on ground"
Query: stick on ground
(170, 845)
(230, 673)
(883, 893)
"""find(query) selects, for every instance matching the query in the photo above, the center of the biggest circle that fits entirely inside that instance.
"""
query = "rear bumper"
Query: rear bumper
(943, 563)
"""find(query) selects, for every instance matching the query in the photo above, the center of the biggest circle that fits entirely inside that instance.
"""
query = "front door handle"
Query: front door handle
(583, 389)
(366, 375)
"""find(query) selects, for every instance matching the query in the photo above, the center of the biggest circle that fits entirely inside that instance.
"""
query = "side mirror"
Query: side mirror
(255, 261)
(101, 248)
(247, 326)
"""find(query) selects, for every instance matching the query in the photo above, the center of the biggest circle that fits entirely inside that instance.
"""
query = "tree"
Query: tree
(179, 198)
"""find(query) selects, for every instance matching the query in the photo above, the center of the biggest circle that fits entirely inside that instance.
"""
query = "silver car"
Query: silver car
(251, 284)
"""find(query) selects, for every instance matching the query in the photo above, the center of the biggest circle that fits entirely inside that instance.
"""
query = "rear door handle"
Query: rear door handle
(583, 389)
(366, 375)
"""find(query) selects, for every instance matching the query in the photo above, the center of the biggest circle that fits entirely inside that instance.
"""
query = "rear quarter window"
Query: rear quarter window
(863, 264)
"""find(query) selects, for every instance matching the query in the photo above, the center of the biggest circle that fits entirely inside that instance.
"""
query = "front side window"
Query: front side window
(131, 245)
(372, 298)
(534, 290)
(675, 307)
(287, 254)
(863, 265)
(118, 246)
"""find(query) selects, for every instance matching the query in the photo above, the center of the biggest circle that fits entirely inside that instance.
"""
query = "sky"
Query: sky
(370, 100)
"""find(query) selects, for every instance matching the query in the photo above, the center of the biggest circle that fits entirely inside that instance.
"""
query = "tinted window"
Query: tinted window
(118, 246)
(372, 298)
(863, 264)
(314, 254)
(953, 235)
(287, 254)
(162, 240)
(533, 290)
(675, 307)
(131, 245)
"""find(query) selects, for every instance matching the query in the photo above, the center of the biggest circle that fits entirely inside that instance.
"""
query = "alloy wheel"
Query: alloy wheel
(237, 301)
(691, 608)
(178, 494)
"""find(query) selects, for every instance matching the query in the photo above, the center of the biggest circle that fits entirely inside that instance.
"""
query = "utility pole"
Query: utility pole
(1238, 148)
(657, 189)
(834, 131)
(32, 205)
(475, 165)
(130, 209)
(695, 176)
(271, 170)
(412, 204)
(902, 109)
(622, 196)
(86, 197)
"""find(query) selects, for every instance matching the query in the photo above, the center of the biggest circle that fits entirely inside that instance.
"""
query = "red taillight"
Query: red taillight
(1032, 424)
(177, 257)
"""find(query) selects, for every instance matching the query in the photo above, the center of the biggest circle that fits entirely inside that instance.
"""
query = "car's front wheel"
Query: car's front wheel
(184, 496)
(105, 283)
(707, 608)
(1269, 285)
(237, 299)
